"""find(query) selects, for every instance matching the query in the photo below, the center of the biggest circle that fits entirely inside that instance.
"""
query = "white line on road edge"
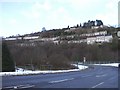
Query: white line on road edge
(16, 86)
(61, 80)
(98, 85)
(20, 86)
(8, 87)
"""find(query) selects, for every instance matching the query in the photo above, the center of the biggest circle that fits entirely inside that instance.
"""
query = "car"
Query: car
(119, 65)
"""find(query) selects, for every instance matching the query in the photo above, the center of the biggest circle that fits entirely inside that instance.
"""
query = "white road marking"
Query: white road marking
(112, 78)
(100, 72)
(9, 87)
(16, 86)
(101, 75)
(29, 86)
(61, 80)
(20, 86)
(23, 85)
(98, 85)
(86, 75)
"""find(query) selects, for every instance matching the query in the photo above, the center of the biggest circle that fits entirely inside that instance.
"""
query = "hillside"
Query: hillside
(59, 48)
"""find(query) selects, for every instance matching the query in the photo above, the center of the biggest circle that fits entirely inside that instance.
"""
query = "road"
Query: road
(97, 77)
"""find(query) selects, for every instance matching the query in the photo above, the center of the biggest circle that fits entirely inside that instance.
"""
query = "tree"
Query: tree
(77, 25)
(114, 44)
(80, 25)
(85, 25)
(99, 22)
(7, 61)
(92, 23)
(59, 61)
(68, 27)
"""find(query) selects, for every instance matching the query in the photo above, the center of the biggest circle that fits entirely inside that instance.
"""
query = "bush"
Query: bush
(7, 61)
(59, 61)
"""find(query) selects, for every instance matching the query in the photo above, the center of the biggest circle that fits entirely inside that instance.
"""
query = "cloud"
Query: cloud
(36, 9)
(12, 22)
(31, 14)
(59, 14)
(60, 18)
(104, 10)
(75, 2)
(109, 18)
(112, 4)
(110, 14)
(46, 5)
(83, 3)
(61, 10)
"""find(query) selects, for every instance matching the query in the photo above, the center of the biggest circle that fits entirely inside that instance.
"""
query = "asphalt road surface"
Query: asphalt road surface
(94, 77)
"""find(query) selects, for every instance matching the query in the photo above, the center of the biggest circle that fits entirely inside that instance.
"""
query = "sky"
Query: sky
(29, 16)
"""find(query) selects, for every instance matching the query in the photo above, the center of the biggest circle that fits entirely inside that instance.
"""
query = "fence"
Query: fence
(96, 62)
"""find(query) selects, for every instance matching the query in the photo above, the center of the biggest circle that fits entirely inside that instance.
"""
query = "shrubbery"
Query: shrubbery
(62, 55)
(7, 61)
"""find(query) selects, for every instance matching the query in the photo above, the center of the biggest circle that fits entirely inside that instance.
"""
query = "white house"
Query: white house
(101, 39)
(30, 37)
(103, 32)
(108, 38)
(72, 28)
(77, 41)
(56, 42)
(49, 39)
(91, 40)
(11, 39)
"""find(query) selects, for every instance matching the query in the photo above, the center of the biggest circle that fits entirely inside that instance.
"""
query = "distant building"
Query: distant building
(43, 29)
(99, 39)
(10, 39)
(30, 37)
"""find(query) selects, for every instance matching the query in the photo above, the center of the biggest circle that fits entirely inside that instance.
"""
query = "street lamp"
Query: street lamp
(84, 60)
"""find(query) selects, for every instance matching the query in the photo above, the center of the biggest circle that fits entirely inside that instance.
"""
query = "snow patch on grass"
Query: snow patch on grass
(80, 66)
(109, 64)
(20, 71)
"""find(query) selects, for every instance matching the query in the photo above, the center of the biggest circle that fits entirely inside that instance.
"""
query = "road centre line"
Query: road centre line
(101, 75)
(98, 85)
(28, 86)
(58, 81)
(86, 75)
(111, 78)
